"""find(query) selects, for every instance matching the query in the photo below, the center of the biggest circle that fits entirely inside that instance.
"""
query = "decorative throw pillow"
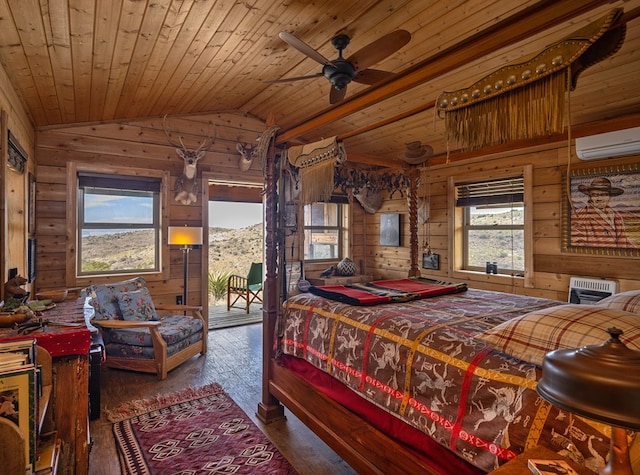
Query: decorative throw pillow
(104, 300)
(530, 337)
(628, 301)
(137, 305)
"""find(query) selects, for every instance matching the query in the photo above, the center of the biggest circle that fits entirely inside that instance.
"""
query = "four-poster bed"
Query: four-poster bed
(477, 404)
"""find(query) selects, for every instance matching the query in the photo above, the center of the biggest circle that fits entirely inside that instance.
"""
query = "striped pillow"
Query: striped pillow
(530, 337)
(628, 301)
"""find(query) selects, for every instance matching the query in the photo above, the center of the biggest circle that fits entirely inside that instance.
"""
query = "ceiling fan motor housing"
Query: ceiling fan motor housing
(341, 75)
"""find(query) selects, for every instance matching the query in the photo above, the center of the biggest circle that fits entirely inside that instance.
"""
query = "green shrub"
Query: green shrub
(93, 266)
(218, 285)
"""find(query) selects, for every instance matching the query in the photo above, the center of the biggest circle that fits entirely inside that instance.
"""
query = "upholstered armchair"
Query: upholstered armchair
(136, 336)
(246, 289)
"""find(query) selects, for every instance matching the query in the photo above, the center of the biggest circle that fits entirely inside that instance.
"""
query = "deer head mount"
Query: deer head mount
(247, 154)
(186, 187)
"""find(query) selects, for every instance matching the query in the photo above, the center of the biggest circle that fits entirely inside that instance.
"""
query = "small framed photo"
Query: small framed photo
(430, 261)
(390, 229)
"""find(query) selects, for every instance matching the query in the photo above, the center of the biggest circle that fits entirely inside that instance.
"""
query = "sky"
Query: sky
(223, 214)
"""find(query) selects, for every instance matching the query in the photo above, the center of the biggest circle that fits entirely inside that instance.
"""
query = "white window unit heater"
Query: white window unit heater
(589, 291)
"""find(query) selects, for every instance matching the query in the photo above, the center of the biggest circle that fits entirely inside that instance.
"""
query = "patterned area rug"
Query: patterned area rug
(196, 431)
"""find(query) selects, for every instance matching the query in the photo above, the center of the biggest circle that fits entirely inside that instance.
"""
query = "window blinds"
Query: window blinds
(501, 191)
(118, 182)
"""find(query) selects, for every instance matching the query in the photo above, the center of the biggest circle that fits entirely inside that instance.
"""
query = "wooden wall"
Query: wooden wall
(552, 267)
(13, 185)
(136, 144)
(143, 144)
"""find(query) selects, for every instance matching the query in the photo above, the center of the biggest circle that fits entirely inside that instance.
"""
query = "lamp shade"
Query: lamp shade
(185, 236)
(599, 382)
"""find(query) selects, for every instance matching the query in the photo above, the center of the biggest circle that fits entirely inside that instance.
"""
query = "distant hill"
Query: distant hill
(233, 250)
(230, 250)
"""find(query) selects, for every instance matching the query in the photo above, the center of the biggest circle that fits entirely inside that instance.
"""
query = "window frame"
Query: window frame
(457, 221)
(342, 227)
(467, 227)
(73, 276)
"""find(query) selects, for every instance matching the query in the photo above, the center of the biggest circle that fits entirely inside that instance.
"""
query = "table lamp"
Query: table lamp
(598, 382)
(186, 237)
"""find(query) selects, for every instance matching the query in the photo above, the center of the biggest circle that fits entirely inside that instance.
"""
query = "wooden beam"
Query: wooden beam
(519, 27)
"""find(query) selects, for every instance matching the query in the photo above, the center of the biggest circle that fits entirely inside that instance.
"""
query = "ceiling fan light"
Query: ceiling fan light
(340, 80)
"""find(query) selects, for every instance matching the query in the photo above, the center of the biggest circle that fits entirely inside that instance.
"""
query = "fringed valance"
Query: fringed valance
(526, 98)
(316, 162)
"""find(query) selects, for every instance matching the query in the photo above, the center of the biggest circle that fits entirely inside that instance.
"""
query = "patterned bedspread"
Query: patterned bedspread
(420, 361)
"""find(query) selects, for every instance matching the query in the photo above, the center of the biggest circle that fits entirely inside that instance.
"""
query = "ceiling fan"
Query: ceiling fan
(340, 72)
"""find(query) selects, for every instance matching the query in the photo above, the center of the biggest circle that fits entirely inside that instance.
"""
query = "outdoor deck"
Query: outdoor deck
(219, 317)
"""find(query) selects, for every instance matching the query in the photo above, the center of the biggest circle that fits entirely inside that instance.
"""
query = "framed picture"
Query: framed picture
(17, 399)
(389, 229)
(430, 261)
(601, 214)
(291, 214)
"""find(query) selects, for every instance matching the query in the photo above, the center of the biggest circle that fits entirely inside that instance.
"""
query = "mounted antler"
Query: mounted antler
(186, 187)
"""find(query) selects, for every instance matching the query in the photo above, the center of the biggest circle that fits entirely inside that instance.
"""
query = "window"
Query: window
(118, 224)
(325, 230)
(492, 226)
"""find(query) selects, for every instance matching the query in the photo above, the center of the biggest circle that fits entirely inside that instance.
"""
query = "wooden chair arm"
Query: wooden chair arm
(126, 323)
(196, 310)
(236, 282)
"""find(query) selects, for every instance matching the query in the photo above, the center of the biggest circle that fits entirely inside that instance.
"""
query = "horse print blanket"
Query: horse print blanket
(421, 362)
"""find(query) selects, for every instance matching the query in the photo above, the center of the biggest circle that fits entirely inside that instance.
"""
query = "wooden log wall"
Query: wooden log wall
(14, 213)
(137, 144)
(552, 266)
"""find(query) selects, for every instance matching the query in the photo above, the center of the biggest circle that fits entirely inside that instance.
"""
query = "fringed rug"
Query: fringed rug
(195, 431)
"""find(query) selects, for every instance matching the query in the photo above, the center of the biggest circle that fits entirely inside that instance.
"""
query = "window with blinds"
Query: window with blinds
(118, 224)
(493, 238)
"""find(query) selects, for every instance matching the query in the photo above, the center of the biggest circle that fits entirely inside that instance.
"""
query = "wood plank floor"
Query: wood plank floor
(234, 360)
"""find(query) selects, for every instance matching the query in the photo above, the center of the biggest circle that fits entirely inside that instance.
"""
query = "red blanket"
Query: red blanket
(385, 291)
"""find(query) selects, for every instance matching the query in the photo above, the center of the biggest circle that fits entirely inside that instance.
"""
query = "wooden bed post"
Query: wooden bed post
(414, 174)
(270, 409)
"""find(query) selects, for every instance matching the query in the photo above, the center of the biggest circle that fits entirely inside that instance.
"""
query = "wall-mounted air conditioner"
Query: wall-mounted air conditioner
(589, 291)
(609, 145)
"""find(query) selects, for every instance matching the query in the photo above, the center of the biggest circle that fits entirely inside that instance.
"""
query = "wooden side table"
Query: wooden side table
(340, 280)
(518, 466)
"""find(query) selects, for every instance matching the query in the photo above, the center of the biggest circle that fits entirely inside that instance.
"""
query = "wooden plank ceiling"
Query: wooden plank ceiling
(77, 61)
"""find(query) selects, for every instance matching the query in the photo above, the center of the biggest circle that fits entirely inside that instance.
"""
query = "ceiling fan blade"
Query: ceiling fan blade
(336, 95)
(379, 49)
(304, 48)
(297, 78)
(372, 76)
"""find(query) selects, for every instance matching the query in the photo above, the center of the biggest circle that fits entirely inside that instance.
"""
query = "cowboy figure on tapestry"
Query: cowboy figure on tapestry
(598, 224)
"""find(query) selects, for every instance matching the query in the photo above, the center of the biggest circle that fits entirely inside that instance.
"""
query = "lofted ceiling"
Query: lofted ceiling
(93, 61)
